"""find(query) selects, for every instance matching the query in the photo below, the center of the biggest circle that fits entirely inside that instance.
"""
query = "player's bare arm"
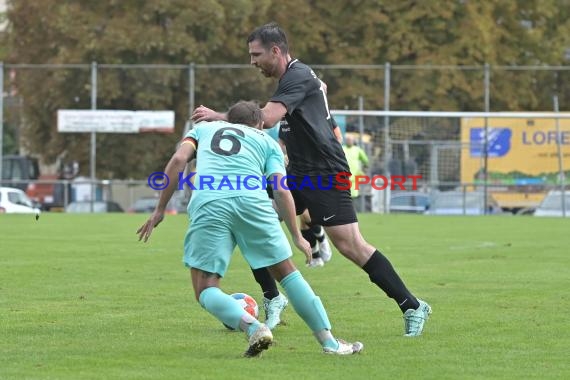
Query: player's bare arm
(284, 150)
(202, 113)
(177, 162)
(273, 112)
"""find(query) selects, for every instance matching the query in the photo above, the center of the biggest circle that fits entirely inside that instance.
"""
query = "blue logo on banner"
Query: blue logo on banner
(498, 141)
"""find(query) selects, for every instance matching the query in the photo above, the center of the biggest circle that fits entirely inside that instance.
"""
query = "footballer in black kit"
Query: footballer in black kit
(313, 148)
(314, 153)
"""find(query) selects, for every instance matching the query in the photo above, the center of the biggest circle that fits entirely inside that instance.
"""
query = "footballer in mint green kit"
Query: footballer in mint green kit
(238, 210)
(230, 206)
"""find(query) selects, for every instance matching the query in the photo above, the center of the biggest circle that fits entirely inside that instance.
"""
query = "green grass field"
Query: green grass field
(81, 298)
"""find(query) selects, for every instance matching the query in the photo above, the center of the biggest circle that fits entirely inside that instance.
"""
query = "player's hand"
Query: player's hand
(304, 247)
(202, 113)
(145, 230)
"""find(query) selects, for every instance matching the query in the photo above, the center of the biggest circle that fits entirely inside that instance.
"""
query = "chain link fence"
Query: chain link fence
(433, 147)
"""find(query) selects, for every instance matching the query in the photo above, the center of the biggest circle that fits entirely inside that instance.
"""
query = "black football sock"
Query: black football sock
(310, 237)
(382, 273)
(319, 232)
(267, 283)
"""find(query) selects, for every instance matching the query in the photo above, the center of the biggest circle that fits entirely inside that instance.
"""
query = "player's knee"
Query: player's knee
(281, 270)
(346, 247)
(356, 250)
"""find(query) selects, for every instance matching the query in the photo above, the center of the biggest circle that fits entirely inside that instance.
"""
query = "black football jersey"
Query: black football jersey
(307, 129)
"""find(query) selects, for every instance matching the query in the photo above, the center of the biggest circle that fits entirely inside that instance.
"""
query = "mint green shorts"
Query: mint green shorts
(217, 226)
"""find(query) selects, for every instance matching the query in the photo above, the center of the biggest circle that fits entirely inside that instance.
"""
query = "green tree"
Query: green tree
(437, 50)
(119, 32)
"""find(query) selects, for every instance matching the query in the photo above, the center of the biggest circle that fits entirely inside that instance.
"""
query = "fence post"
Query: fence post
(434, 166)
(1, 118)
(66, 185)
(387, 150)
(191, 96)
(93, 133)
(360, 144)
(562, 174)
(486, 139)
(188, 125)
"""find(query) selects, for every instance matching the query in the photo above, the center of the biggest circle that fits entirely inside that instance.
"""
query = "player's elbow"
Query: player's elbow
(179, 159)
(281, 195)
(280, 192)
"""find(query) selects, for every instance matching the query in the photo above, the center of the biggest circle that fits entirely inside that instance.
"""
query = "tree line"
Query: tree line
(457, 36)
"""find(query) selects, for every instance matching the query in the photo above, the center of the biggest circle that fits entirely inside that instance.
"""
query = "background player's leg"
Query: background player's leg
(324, 246)
(273, 302)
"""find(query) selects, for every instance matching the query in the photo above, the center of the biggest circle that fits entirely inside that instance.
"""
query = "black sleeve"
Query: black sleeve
(294, 87)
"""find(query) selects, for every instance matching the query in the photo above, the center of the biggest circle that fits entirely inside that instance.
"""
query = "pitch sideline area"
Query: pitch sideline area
(80, 297)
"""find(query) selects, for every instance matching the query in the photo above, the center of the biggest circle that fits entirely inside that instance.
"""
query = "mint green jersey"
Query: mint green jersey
(232, 160)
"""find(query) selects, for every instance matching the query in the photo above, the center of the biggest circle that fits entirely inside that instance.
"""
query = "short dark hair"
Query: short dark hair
(245, 112)
(269, 35)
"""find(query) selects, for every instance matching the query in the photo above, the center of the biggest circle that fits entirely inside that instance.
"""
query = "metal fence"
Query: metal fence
(513, 158)
(431, 145)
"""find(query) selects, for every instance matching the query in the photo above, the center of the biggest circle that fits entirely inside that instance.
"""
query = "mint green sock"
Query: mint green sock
(224, 308)
(326, 339)
(305, 302)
